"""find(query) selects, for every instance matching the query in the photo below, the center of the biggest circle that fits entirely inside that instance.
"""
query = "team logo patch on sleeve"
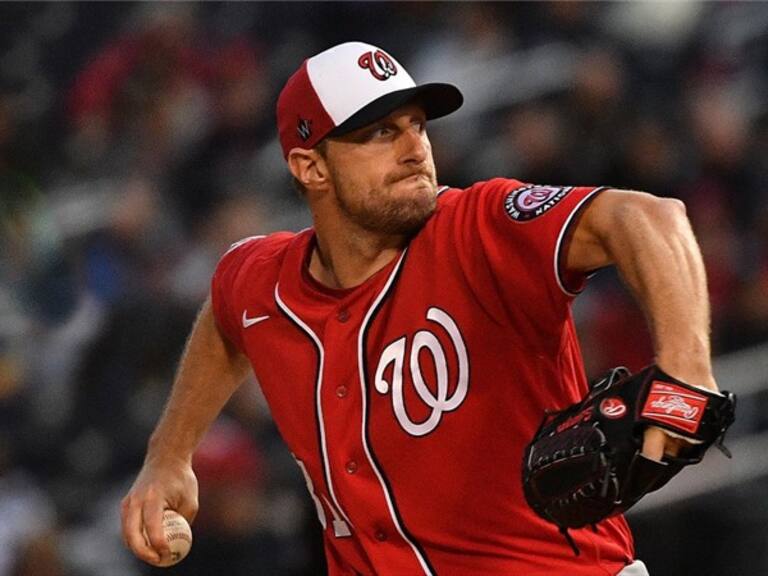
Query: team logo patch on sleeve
(529, 202)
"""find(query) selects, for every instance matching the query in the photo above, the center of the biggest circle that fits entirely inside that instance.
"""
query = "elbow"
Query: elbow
(675, 206)
(664, 215)
(668, 214)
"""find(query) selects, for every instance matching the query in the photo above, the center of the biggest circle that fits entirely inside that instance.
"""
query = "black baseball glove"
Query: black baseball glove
(584, 464)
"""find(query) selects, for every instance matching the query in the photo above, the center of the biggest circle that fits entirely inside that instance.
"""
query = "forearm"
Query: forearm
(656, 253)
(209, 372)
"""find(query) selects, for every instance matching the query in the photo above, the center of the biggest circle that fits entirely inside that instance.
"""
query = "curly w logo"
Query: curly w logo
(444, 396)
(378, 63)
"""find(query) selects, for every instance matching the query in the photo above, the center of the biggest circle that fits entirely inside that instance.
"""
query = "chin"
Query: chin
(409, 216)
(402, 208)
(420, 198)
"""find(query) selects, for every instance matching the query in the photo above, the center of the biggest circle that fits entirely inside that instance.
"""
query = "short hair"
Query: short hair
(321, 148)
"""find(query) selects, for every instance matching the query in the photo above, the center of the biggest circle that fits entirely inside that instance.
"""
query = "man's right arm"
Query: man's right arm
(211, 369)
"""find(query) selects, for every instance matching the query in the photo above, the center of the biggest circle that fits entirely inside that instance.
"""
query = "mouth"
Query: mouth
(414, 177)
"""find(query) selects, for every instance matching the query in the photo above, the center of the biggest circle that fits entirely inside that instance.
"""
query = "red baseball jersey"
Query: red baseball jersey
(407, 401)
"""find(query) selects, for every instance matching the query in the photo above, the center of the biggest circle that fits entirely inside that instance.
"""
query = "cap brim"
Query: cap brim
(437, 100)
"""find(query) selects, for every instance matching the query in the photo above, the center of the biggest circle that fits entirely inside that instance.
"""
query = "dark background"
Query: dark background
(137, 141)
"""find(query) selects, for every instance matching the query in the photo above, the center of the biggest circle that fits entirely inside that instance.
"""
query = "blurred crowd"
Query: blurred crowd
(137, 141)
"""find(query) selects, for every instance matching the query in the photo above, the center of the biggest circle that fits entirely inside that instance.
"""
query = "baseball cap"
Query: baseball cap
(347, 87)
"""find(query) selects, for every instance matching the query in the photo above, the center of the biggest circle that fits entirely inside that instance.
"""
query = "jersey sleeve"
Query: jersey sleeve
(223, 288)
(524, 231)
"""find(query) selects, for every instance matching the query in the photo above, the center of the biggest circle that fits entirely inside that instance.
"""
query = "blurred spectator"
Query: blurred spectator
(596, 108)
(651, 158)
(27, 521)
(231, 531)
(40, 556)
(217, 166)
(121, 385)
(538, 140)
(143, 98)
(617, 334)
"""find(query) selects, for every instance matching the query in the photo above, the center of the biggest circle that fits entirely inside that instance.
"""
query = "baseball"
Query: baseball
(178, 534)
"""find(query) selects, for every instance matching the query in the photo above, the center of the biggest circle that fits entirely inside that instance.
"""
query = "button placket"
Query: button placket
(343, 315)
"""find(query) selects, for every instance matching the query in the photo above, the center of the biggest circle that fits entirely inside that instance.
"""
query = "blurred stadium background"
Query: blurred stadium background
(137, 141)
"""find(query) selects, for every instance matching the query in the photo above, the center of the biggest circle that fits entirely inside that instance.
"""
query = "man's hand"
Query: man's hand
(657, 444)
(159, 486)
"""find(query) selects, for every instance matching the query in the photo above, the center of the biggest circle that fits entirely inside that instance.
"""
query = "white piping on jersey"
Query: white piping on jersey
(318, 403)
(442, 189)
(561, 236)
(311, 488)
(243, 241)
(361, 365)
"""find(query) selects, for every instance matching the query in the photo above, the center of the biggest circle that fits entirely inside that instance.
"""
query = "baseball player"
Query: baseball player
(410, 341)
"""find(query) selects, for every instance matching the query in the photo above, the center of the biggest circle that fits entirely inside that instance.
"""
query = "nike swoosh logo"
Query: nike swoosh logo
(248, 322)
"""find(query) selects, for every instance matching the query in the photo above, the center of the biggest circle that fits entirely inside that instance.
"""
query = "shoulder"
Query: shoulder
(450, 194)
(249, 268)
(261, 248)
(462, 213)
(454, 201)
(256, 253)
(261, 245)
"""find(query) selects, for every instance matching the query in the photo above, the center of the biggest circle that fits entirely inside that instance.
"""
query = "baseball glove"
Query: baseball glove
(584, 464)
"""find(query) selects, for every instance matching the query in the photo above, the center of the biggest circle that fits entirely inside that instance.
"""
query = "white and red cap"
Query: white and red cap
(347, 87)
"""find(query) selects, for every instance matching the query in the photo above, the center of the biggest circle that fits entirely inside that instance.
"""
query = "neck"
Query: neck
(345, 258)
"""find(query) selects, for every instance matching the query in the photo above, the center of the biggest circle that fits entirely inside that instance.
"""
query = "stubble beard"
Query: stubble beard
(381, 210)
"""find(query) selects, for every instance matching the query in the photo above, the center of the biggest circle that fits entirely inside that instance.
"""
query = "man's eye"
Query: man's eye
(381, 132)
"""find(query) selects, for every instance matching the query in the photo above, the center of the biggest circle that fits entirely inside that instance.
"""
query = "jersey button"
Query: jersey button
(343, 315)
(351, 467)
(342, 391)
(380, 535)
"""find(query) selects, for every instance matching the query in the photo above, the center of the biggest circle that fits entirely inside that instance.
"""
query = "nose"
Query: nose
(414, 146)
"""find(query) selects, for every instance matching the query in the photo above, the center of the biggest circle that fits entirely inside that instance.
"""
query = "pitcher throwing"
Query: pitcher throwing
(410, 341)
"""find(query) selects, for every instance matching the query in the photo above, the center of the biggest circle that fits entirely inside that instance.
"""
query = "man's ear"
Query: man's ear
(308, 167)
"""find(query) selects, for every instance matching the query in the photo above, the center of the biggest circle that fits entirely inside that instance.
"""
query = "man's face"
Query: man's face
(384, 174)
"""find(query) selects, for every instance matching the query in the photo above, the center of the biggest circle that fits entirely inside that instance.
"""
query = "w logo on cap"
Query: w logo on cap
(378, 63)
(304, 129)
